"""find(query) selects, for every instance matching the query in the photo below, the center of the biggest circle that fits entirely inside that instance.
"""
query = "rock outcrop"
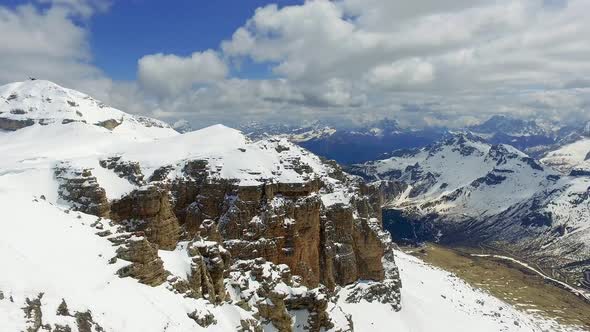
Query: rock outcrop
(274, 293)
(148, 209)
(80, 188)
(126, 170)
(14, 124)
(146, 266)
(209, 263)
(273, 248)
(284, 224)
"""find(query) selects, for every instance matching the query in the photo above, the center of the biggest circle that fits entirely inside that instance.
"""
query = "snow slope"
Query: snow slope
(51, 253)
(45, 250)
(569, 157)
(462, 176)
(435, 300)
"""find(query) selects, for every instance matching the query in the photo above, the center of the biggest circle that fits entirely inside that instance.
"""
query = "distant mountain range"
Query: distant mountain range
(375, 140)
(464, 190)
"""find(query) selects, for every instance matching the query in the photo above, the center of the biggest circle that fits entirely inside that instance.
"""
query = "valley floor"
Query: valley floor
(554, 308)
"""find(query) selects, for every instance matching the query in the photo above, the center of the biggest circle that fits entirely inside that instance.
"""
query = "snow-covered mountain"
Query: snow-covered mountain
(573, 158)
(367, 142)
(24, 104)
(526, 135)
(113, 222)
(512, 127)
(465, 190)
(461, 176)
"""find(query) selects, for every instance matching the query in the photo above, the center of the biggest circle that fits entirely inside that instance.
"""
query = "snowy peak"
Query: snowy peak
(573, 158)
(504, 125)
(461, 174)
(27, 103)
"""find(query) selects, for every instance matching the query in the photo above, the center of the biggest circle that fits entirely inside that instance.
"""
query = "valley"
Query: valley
(510, 282)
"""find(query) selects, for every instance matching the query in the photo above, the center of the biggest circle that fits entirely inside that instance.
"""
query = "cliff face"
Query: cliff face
(235, 208)
(324, 232)
(280, 222)
(231, 234)
(149, 210)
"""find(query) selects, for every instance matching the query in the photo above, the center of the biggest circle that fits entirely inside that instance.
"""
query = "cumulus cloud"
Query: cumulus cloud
(46, 43)
(80, 8)
(423, 62)
(168, 74)
(402, 73)
(474, 58)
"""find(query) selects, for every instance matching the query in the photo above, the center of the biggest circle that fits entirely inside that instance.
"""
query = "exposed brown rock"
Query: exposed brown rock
(34, 314)
(62, 309)
(149, 210)
(146, 266)
(203, 317)
(124, 169)
(79, 187)
(249, 325)
(209, 263)
(285, 223)
(273, 296)
(109, 124)
(86, 323)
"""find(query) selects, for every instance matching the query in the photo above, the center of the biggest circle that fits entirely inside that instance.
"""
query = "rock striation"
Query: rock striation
(81, 189)
(148, 209)
(272, 247)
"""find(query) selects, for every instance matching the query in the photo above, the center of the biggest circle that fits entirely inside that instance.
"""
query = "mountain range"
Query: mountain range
(374, 140)
(466, 191)
(118, 222)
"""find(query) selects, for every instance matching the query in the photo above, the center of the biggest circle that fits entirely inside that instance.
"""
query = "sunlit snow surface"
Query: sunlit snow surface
(46, 249)
(436, 300)
(570, 156)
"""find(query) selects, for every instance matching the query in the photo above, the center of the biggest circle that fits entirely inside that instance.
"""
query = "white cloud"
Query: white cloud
(423, 62)
(168, 74)
(45, 43)
(465, 59)
(81, 8)
(403, 73)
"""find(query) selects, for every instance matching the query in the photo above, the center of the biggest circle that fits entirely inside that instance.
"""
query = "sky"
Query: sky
(421, 62)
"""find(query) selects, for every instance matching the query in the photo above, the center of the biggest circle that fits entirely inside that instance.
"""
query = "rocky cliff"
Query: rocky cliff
(322, 228)
(261, 229)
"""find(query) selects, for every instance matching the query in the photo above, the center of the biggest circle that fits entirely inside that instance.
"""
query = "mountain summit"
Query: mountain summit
(26, 103)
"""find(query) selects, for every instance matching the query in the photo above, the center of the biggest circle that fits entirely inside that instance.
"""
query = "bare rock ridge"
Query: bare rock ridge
(280, 222)
(79, 187)
(235, 232)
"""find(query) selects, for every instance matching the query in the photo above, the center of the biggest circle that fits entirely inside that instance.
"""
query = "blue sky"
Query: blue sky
(344, 61)
(132, 29)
